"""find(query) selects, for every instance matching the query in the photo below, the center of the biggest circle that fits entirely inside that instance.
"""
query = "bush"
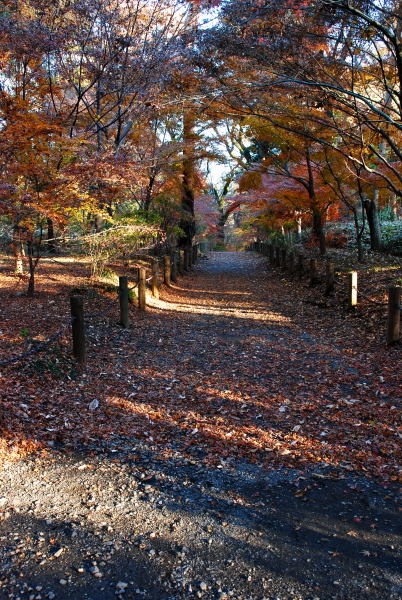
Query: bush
(337, 239)
(392, 237)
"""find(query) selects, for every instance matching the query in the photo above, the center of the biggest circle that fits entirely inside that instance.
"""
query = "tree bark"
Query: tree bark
(32, 264)
(187, 223)
(18, 251)
(299, 229)
(359, 232)
(373, 221)
(318, 231)
(51, 246)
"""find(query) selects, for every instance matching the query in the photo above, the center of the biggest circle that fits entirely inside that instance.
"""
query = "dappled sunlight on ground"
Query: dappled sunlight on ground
(204, 309)
(235, 370)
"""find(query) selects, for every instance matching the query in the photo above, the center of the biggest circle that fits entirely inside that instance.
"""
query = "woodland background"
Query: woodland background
(151, 122)
(247, 414)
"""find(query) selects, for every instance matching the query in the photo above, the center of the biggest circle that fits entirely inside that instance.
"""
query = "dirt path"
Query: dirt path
(228, 455)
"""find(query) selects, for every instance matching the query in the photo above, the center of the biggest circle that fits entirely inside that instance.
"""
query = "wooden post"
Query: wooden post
(123, 300)
(394, 315)
(155, 279)
(314, 279)
(194, 254)
(352, 289)
(142, 292)
(271, 254)
(277, 256)
(167, 270)
(173, 274)
(78, 329)
(329, 278)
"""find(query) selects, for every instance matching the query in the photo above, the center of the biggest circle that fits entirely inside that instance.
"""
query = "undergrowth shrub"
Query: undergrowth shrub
(336, 239)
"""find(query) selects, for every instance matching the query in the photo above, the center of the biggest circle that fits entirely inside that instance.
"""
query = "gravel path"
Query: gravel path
(169, 518)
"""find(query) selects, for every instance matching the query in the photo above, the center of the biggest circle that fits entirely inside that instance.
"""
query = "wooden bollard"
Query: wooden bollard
(277, 256)
(155, 279)
(142, 292)
(173, 274)
(329, 278)
(300, 265)
(78, 329)
(314, 278)
(352, 289)
(167, 270)
(394, 315)
(123, 301)
(271, 254)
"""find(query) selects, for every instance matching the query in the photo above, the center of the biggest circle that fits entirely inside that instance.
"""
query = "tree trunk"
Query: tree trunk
(373, 220)
(18, 251)
(51, 246)
(318, 231)
(32, 265)
(98, 222)
(299, 229)
(221, 229)
(359, 232)
(187, 223)
(394, 205)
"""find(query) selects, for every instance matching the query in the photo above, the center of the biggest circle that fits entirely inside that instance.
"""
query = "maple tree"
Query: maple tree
(110, 109)
(128, 130)
(334, 65)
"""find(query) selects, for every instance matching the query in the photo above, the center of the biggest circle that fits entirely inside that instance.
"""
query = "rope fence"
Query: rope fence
(170, 265)
(281, 257)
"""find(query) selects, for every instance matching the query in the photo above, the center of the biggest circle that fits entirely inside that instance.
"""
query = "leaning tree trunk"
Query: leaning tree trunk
(373, 221)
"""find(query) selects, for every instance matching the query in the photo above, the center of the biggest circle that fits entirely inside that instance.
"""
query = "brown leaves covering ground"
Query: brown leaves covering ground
(234, 361)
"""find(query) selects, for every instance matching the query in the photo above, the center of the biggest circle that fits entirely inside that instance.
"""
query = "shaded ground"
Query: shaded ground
(244, 445)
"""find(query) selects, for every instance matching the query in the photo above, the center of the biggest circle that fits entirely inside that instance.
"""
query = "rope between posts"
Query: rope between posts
(372, 301)
(39, 348)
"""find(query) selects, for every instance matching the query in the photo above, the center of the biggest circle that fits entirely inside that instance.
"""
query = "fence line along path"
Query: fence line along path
(231, 434)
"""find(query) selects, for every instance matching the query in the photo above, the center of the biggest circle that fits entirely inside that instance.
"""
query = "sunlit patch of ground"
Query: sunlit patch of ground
(227, 363)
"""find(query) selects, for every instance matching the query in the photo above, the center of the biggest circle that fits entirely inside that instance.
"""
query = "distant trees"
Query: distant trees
(325, 75)
(104, 109)
(88, 92)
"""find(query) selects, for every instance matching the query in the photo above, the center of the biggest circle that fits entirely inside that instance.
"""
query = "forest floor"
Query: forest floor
(238, 441)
